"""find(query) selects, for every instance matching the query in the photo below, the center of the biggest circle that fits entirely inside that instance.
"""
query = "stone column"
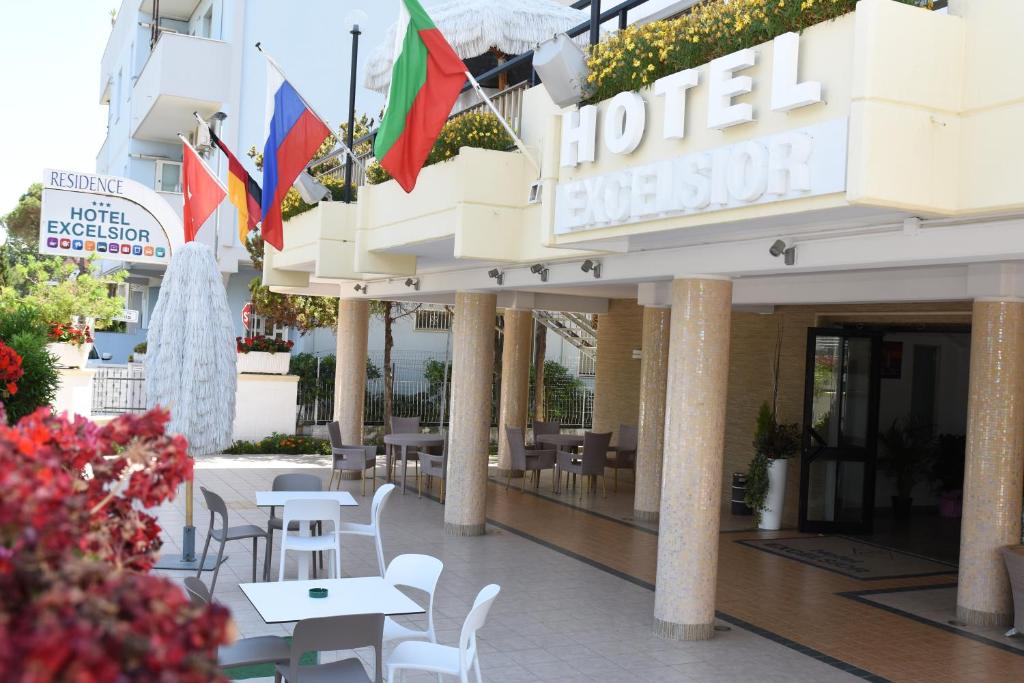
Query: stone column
(469, 436)
(995, 461)
(617, 373)
(698, 372)
(651, 439)
(350, 368)
(515, 380)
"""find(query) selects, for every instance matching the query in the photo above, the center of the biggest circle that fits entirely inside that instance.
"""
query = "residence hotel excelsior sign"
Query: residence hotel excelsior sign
(84, 214)
(800, 162)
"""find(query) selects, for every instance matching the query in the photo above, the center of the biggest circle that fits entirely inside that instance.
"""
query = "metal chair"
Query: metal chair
(318, 511)
(215, 504)
(244, 651)
(590, 463)
(351, 459)
(1013, 557)
(288, 482)
(401, 425)
(422, 573)
(625, 453)
(443, 659)
(523, 460)
(373, 528)
(330, 634)
(433, 465)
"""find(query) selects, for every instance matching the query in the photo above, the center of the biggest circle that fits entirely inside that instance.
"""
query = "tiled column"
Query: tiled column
(995, 460)
(698, 370)
(468, 439)
(515, 379)
(350, 368)
(617, 373)
(651, 439)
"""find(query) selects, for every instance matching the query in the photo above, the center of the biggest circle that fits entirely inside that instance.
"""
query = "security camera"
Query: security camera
(540, 269)
(590, 266)
(497, 275)
(360, 288)
(413, 282)
(778, 248)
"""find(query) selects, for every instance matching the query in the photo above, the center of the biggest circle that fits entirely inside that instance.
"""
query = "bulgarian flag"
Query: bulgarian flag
(426, 79)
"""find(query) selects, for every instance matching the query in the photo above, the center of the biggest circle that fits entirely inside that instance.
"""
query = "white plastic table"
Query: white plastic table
(406, 440)
(285, 601)
(279, 498)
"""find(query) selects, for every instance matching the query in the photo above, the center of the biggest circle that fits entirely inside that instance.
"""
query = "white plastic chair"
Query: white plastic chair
(373, 528)
(299, 511)
(422, 573)
(443, 659)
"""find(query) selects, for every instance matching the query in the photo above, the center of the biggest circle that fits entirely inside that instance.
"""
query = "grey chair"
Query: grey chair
(433, 465)
(401, 425)
(215, 504)
(288, 482)
(244, 651)
(335, 633)
(625, 453)
(541, 427)
(589, 463)
(1013, 557)
(348, 458)
(522, 460)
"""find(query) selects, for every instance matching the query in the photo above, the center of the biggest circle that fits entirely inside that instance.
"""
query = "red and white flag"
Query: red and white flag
(202, 190)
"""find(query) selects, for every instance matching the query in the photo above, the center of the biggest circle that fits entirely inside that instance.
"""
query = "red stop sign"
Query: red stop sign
(247, 316)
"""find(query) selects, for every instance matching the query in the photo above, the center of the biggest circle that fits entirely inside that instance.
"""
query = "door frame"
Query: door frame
(870, 450)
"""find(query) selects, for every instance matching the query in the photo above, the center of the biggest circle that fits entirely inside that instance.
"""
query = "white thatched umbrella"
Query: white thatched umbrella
(190, 361)
(475, 27)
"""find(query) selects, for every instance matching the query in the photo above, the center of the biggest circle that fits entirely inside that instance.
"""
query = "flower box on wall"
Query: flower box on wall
(264, 362)
(70, 355)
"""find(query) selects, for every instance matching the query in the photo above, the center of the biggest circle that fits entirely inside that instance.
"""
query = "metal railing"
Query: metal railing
(119, 389)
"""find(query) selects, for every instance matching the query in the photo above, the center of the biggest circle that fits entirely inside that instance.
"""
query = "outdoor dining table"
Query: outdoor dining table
(279, 498)
(406, 440)
(285, 601)
(560, 440)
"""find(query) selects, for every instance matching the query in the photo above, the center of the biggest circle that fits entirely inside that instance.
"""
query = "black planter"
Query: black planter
(901, 507)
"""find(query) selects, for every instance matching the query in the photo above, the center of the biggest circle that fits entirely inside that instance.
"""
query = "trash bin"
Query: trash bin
(739, 493)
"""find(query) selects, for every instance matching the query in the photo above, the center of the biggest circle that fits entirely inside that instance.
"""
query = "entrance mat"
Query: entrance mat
(936, 606)
(856, 559)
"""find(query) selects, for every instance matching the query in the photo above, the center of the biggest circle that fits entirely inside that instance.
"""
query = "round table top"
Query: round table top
(560, 439)
(413, 439)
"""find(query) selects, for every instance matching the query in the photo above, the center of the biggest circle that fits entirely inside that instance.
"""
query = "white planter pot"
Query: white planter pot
(771, 518)
(264, 363)
(69, 355)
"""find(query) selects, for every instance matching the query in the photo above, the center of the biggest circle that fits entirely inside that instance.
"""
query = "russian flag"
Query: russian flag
(293, 136)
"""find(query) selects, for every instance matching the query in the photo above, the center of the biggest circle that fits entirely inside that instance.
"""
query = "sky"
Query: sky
(50, 51)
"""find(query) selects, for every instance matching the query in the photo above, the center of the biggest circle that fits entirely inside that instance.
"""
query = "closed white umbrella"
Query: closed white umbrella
(475, 27)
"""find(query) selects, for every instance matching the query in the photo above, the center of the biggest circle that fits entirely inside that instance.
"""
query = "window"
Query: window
(259, 327)
(168, 176)
(433, 320)
(134, 297)
(115, 103)
(586, 365)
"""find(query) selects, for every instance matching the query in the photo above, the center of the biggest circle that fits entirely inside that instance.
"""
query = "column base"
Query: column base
(645, 515)
(973, 617)
(671, 631)
(463, 529)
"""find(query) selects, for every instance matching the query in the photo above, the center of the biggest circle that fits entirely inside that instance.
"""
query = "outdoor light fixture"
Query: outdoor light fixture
(540, 269)
(497, 275)
(592, 267)
(413, 282)
(360, 288)
(779, 248)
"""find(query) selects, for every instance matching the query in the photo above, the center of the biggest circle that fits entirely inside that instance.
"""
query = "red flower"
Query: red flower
(10, 371)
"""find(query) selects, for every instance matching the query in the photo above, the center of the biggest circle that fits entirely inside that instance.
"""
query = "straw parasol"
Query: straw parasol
(478, 27)
(190, 363)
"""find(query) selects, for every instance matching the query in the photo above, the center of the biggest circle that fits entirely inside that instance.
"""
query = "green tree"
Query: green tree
(389, 312)
(22, 222)
(57, 289)
(24, 330)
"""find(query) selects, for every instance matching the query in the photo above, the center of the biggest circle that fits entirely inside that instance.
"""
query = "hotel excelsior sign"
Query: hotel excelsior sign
(800, 162)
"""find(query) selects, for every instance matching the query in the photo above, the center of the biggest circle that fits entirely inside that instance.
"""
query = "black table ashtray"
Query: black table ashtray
(318, 592)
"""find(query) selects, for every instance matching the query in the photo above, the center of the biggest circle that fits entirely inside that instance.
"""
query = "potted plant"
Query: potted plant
(947, 473)
(138, 354)
(906, 458)
(70, 344)
(774, 445)
(263, 355)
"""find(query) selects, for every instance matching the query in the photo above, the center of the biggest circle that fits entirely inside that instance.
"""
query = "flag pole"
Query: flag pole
(504, 123)
(322, 120)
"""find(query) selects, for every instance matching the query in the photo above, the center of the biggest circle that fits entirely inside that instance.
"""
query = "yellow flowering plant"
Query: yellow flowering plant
(472, 129)
(638, 55)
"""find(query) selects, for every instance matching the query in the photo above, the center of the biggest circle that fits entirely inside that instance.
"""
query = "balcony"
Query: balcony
(183, 74)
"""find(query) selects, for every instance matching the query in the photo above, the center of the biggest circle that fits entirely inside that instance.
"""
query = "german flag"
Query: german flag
(243, 191)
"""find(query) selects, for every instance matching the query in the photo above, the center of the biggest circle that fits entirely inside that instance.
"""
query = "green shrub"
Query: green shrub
(23, 330)
(286, 444)
(140, 347)
(480, 129)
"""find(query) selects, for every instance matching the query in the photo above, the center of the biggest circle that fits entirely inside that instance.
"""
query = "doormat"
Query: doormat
(856, 559)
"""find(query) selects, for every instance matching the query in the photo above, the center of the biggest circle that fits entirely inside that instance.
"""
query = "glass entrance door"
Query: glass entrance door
(840, 438)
